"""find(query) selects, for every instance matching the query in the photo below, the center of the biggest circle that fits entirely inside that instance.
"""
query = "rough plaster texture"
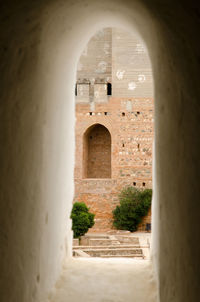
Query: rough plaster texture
(41, 43)
(98, 53)
(116, 56)
(131, 66)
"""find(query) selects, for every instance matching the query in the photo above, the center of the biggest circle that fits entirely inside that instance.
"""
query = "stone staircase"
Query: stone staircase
(108, 246)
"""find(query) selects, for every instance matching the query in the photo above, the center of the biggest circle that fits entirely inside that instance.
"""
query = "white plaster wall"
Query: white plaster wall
(41, 44)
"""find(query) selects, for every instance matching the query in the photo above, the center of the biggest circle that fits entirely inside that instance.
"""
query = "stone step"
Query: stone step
(103, 242)
(96, 236)
(101, 239)
(127, 239)
(83, 247)
(86, 240)
(138, 256)
(118, 252)
(80, 253)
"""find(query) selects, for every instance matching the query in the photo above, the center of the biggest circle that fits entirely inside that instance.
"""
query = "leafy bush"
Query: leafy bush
(134, 205)
(82, 219)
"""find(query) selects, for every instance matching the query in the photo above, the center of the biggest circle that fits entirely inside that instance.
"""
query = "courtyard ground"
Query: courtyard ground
(114, 243)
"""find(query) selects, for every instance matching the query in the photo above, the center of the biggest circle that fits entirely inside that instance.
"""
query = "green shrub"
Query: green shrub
(134, 205)
(82, 219)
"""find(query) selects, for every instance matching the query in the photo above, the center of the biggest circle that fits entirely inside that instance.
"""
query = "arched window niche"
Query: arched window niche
(97, 152)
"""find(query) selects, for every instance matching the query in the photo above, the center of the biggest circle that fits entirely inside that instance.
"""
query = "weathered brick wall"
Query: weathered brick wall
(127, 114)
(131, 153)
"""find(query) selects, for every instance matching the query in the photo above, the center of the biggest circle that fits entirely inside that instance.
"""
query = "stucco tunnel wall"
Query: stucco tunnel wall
(41, 43)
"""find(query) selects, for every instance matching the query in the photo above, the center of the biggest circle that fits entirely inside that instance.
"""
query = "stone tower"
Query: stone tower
(114, 122)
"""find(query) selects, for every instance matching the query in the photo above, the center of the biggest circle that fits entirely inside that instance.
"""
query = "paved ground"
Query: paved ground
(105, 280)
(145, 240)
(143, 237)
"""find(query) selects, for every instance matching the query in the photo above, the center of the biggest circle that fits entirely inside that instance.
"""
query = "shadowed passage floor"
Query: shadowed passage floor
(105, 280)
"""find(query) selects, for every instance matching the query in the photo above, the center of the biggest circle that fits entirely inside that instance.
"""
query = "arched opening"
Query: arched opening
(97, 152)
(38, 65)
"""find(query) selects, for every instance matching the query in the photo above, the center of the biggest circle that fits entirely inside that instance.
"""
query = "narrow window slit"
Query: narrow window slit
(109, 89)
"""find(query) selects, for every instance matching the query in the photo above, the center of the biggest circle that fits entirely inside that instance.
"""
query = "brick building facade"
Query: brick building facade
(114, 122)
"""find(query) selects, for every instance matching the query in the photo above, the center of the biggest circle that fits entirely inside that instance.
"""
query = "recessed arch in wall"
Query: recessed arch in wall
(97, 152)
